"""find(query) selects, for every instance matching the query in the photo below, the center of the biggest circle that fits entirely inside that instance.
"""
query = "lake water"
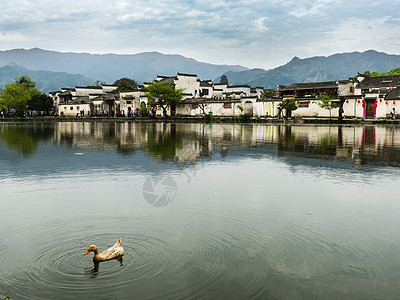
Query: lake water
(208, 211)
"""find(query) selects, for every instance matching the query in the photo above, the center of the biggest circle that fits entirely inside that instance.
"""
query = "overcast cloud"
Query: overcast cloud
(252, 33)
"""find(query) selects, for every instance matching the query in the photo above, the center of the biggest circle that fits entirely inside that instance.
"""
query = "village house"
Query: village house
(78, 100)
(379, 96)
(199, 97)
(306, 96)
(367, 97)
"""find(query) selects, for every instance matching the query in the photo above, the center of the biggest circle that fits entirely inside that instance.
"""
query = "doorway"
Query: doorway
(370, 111)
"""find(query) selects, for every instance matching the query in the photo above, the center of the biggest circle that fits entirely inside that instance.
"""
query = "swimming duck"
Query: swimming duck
(114, 252)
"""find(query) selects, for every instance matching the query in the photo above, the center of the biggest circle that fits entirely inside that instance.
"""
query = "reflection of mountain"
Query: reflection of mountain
(126, 146)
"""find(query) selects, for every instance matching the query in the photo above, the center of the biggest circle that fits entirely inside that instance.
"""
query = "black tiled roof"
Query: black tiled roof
(183, 74)
(394, 94)
(239, 86)
(78, 100)
(380, 81)
(312, 85)
(168, 79)
(66, 93)
(89, 87)
(205, 84)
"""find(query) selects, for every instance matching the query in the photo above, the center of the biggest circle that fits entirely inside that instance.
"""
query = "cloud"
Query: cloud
(255, 33)
(259, 25)
(312, 8)
(379, 34)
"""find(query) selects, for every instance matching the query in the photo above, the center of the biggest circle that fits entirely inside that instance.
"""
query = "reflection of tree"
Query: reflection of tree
(325, 144)
(163, 144)
(187, 143)
(287, 140)
(125, 149)
(24, 139)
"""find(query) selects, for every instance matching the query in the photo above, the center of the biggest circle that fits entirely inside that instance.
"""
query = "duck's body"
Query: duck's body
(114, 252)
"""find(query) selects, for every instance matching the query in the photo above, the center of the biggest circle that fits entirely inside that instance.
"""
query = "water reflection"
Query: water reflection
(369, 145)
(244, 226)
(187, 143)
(24, 138)
(96, 266)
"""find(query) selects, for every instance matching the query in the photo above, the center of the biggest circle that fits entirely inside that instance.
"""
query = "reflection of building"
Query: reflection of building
(186, 143)
(358, 144)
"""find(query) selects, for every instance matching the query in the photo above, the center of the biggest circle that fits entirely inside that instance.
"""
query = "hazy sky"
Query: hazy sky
(253, 33)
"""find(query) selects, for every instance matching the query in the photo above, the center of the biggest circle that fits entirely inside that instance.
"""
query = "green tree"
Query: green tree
(164, 94)
(289, 104)
(268, 93)
(25, 80)
(125, 85)
(15, 97)
(328, 103)
(143, 109)
(224, 80)
(99, 83)
(393, 72)
(241, 109)
(40, 102)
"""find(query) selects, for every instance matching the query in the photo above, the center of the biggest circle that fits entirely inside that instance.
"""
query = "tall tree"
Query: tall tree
(41, 103)
(125, 84)
(99, 83)
(268, 93)
(164, 94)
(392, 72)
(289, 104)
(328, 103)
(224, 80)
(16, 96)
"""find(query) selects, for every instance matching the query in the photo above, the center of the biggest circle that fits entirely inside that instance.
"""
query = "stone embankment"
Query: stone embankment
(205, 119)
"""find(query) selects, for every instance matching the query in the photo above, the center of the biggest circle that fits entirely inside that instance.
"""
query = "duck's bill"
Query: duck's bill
(86, 252)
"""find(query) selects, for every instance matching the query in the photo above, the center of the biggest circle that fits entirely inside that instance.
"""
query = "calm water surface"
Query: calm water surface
(204, 211)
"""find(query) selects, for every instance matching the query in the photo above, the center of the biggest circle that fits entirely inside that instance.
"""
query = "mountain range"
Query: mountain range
(54, 70)
(111, 67)
(46, 81)
(318, 68)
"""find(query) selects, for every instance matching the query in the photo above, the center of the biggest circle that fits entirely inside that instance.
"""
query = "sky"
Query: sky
(252, 33)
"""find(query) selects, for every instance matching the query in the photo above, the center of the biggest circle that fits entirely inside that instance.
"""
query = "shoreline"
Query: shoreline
(228, 120)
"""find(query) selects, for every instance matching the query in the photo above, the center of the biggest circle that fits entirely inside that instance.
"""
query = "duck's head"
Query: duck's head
(92, 248)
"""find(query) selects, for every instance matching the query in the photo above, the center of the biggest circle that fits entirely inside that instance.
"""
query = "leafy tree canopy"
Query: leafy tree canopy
(25, 80)
(16, 96)
(224, 79)
(392, 72)
(268, 93)
(164, 94)
(125, 84)
(40, 102)
(99, 83)
(326, 102)
(288, 104)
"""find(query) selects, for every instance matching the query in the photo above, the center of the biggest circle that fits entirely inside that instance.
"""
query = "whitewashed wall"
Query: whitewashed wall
(72, 110)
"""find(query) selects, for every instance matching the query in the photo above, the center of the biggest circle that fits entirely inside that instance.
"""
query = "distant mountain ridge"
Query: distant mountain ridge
(110, 67)
(319, 68)
(46, 81)
(45, 66)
